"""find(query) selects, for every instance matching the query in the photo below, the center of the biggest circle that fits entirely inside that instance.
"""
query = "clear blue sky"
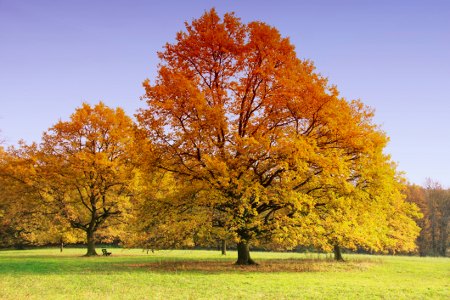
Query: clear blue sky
(393, 55)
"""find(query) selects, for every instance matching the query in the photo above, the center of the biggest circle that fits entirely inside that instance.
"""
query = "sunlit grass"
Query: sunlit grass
(195, 274)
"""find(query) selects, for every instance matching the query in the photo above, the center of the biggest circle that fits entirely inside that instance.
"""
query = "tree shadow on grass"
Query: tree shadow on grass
(264, 266)
(67, 265)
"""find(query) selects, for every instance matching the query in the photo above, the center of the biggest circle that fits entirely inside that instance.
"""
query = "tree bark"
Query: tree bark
(244, 254)
(337, 253)
(61, 245)
(223, 246)
(90, 243)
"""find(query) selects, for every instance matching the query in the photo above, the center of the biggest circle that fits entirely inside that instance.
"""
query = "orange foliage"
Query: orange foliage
(83, 171)
(234, 108)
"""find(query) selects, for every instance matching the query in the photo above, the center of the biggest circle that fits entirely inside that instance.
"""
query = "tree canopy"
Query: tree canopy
(84, 169)
(235, 109)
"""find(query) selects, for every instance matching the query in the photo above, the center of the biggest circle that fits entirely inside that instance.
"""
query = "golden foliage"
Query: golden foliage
(285, 160)
(84, 169)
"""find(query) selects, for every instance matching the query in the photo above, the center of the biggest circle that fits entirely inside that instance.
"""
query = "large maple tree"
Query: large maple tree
(234, 107)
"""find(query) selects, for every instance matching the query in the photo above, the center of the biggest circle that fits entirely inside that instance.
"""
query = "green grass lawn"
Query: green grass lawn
(195, 274)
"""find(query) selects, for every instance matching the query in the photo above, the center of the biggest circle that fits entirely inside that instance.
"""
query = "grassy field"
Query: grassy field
(174, 274)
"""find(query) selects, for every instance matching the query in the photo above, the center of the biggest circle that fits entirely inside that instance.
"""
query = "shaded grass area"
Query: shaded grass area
(132, 274)
(266, 266)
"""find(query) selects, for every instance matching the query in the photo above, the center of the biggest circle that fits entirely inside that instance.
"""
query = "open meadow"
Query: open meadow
(198, 274)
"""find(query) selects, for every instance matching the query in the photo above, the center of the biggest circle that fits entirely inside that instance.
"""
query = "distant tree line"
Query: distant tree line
(434, 202)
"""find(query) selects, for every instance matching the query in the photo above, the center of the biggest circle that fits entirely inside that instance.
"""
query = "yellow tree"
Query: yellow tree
(417, 195)
(374, 216)
(234, 108)
(12, 210)
(172, 212)
(19, 215)
(85, 168)
(167, 213)
(24, 219)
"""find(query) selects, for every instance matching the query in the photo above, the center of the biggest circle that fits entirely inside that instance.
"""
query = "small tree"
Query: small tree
(374, 216)
(165, 215)
(417, 195)
(84, 169)
(20, 219)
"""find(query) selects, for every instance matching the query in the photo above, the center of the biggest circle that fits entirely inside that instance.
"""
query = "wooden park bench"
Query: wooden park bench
(105, 252)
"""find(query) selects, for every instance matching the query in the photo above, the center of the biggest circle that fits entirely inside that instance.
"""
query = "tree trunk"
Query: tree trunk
(223, 247)
(244, 254)
(433, 235)
(61, 245)
(19, 246)
(337, 253)
(90, 243)
(443, 237)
